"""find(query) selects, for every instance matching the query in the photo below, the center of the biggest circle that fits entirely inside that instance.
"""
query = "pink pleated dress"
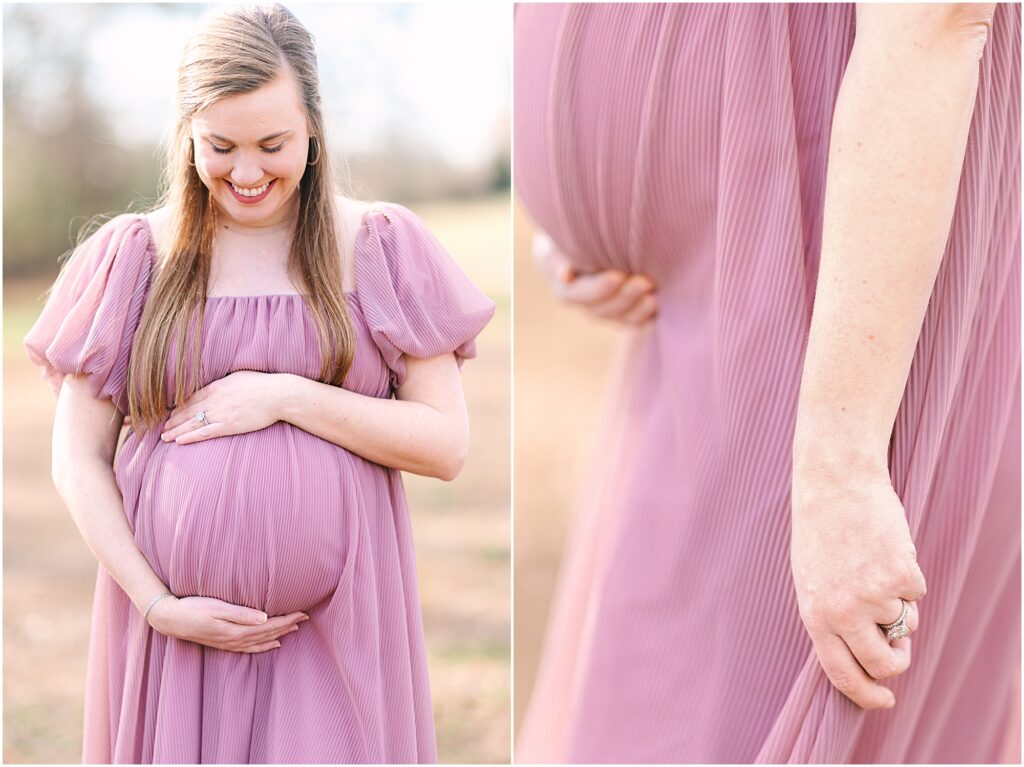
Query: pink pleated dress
(277, 519)
(689, 141)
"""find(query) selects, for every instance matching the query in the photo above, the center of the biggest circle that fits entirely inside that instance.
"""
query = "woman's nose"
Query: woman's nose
(247, 178)
(246, 173)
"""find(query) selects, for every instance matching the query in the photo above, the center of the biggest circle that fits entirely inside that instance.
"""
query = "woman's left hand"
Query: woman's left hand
(235, 404)
(853, 559)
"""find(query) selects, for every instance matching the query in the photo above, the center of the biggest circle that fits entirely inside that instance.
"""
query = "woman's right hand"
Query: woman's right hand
(610, 293)
(222, 625)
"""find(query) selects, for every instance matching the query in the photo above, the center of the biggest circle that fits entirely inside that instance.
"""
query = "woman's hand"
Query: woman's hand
(235, 404)
(853, 559)
(222, 625)
(610, 293)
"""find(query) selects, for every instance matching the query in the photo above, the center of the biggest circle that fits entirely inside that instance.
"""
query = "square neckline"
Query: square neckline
(347, 294)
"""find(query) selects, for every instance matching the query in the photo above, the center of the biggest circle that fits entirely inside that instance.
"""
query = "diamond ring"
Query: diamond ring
(201, 417)
(898, 628)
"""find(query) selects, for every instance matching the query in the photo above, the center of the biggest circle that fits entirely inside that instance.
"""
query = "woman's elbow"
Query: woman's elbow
(930, 28)
(62, 462)
(58, 475)
(969, 24)
(453, 457)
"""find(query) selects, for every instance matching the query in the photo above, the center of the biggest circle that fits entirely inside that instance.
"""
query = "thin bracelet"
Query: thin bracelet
(157, 598)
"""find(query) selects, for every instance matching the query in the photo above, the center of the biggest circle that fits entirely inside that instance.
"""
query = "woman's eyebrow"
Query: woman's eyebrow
(265, 138)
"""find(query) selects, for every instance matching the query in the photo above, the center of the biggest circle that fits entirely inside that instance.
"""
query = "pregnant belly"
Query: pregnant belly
(618, 130)
(265, 519)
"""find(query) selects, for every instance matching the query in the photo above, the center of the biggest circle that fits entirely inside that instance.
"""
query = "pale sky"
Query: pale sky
(440, 72)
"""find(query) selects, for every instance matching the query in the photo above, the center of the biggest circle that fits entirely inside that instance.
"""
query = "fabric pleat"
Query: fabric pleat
(689, 141)
(278, 519)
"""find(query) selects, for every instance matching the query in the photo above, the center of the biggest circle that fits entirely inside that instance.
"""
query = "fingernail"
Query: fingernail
(295, 628)
(277, 644)
(892, 701)
(263, 617)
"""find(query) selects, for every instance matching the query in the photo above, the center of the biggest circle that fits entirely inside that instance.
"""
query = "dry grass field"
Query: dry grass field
(461, 531)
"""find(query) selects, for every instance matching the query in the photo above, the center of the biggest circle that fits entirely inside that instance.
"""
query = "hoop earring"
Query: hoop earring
(312, 139)
(191, 153)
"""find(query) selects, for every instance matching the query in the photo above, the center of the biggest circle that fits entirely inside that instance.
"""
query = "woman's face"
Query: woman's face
(247, 141)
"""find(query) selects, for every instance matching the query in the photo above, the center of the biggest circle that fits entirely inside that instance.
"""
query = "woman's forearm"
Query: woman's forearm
(899, 135)
(85, 433)
(406, 435)
(92, 497)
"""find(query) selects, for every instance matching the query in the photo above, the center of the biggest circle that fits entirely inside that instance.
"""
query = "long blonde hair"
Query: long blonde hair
(236, 52)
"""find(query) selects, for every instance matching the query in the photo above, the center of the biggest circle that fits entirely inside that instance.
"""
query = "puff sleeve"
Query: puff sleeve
(89, 321)
(415, 299)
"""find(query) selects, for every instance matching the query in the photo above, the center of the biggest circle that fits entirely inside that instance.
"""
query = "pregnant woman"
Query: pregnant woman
(811, 215)
(282, 352)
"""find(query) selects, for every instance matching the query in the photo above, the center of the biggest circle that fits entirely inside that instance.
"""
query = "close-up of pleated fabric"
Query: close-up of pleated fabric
(276, 519)
(690, 142)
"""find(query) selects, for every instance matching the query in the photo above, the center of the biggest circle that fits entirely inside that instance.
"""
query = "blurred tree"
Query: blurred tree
(64, 164)
(60, 164)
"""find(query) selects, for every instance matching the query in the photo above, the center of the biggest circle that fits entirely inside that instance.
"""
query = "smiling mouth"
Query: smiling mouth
(254, 194)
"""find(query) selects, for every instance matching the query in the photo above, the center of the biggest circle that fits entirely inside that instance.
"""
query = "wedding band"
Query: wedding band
(898, 628)
(201, 416)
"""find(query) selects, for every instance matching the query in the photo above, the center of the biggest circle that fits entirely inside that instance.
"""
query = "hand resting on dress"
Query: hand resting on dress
(853, 559)
(610, 293)
(221, 625)
(238, 403)
(85, 434)
(423, 430)
(902, 114)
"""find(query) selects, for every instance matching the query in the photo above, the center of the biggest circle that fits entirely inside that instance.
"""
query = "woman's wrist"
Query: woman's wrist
(286, 396)
(153, 602)
(825, 453)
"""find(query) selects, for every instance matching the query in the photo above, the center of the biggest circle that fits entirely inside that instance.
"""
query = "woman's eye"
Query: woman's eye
(267, 149)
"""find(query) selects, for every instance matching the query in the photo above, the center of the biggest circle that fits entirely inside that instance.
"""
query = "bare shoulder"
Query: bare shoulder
(159, 220)
(350, 213)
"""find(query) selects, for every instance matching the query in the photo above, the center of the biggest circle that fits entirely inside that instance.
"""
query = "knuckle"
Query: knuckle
(913, 619)
(882, 669)
(843, 682)
(844, 613)
(913, 568)
(814, 617)
(814, 609)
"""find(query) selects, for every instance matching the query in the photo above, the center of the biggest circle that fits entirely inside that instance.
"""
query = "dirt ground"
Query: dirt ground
(562, 358)
(462, 532)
